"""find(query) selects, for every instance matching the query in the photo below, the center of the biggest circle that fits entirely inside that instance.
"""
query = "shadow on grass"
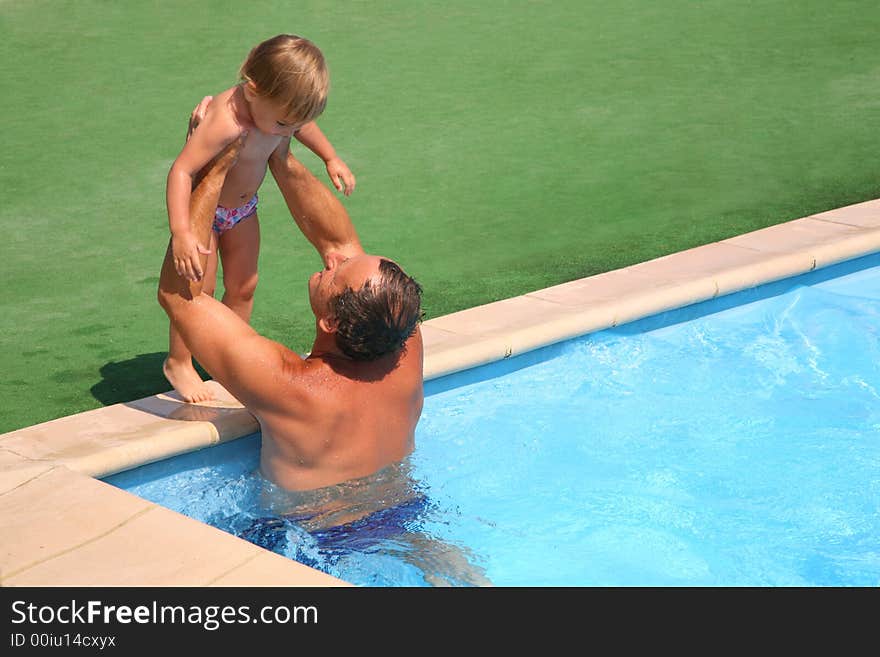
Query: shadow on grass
(128, 380)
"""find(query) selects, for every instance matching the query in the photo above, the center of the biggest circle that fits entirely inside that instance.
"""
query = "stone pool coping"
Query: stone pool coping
(62, 526)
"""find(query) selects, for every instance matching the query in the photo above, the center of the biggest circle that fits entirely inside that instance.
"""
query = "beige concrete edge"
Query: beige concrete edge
(820, 241)
(130, 542)
(107, 440)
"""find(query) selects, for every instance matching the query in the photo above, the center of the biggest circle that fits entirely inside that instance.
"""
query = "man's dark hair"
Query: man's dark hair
(379, 318)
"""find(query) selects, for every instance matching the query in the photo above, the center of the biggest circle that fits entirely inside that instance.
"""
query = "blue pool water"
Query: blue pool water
(734, 442)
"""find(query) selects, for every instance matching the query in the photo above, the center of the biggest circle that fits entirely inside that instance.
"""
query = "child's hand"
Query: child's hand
(185, 249)
(340, 175)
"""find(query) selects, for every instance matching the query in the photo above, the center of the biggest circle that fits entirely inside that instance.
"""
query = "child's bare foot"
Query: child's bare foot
(186, 381)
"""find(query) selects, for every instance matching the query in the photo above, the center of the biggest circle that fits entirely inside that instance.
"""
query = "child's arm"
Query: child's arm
(215, 133)
(319, 214)
(311, 137)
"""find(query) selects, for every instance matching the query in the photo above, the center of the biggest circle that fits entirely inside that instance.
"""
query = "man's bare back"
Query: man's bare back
(338, 420)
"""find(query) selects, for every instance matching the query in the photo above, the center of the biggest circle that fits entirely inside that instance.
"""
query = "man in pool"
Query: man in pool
(348, 409)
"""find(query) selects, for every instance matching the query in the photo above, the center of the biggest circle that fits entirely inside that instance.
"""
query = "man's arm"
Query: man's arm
(320, 216)
(233, 353)
(198, 153)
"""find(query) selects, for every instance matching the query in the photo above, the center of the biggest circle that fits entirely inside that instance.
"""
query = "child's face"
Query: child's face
(268, 116)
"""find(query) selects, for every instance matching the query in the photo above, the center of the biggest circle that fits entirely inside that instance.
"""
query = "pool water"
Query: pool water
(731, 443)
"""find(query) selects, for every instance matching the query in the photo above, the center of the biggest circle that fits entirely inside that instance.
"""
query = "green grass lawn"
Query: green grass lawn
(499, 147)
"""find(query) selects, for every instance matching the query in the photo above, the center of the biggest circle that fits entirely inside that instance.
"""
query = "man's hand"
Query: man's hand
(340, 175)
(185, 249)
(198, 115)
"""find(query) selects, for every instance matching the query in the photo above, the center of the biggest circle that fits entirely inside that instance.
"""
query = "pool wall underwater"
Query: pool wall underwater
(62, 526)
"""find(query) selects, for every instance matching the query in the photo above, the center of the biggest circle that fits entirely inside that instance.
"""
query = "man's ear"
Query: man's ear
(329, 324)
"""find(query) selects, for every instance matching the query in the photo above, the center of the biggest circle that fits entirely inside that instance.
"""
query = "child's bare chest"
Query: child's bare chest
(258, 147)
(247, 175)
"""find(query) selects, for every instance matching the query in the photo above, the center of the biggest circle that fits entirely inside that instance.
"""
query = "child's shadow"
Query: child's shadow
(131, 379)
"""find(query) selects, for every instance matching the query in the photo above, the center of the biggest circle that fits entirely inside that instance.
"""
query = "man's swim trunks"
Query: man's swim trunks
(273, 533)
(226, 218)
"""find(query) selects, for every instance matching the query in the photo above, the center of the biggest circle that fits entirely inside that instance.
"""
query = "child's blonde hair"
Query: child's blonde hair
(291, 71)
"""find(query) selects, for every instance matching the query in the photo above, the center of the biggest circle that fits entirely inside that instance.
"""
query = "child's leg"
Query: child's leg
(178, 367)
(240, 250)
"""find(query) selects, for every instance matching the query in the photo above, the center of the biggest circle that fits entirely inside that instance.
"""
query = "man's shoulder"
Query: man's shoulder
(293, 365)
(342, 373)
(278, 378)
(413, 355)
